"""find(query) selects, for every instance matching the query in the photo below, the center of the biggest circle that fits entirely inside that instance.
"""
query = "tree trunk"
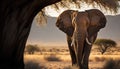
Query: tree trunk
(16, 17)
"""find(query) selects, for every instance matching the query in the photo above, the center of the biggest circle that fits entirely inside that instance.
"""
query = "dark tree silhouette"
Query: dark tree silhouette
(104, 44)
(16, 17)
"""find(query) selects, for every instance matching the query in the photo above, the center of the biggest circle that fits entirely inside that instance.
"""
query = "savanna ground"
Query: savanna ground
(59, 58)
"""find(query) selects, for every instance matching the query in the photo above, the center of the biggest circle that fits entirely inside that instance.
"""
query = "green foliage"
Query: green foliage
(32, 48)
(104, 44)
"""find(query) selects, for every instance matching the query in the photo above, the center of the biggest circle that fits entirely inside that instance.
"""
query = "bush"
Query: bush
(33, 65)
(100, 59)
(112, 64)
(52, 57)
(32, 48)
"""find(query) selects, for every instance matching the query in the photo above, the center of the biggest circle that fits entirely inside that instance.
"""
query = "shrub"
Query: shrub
(112, 64)
(32, 48)
(98, 59)
(33, 65)
(52, 57)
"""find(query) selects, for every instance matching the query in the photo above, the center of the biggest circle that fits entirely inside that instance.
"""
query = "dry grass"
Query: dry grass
(64, 62)
(61, 60)
(68, 67)
(102, 58)
(37, 58)
(34, 57)
(52, 57)
(97, 59)
(71, 67)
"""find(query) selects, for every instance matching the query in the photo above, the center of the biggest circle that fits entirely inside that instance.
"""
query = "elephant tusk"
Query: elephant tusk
(73, 40)
(74, 15)
(88, 42)
(73, 19)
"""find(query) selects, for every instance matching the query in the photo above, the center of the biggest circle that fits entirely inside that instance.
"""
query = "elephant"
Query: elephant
(81, 29)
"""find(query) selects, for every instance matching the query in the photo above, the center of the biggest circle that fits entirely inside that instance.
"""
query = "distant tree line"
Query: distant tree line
(103, 46)
(31, 49)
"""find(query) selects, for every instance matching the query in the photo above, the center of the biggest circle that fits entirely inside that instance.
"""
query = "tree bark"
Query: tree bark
(16, 17)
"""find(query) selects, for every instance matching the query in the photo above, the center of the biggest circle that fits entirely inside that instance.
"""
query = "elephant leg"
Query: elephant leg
(86, 52)
(78, 47)
(72, 52)
(78, 55)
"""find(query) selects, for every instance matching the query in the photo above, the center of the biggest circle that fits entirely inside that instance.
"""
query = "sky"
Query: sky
(52, 12)
(50, 35)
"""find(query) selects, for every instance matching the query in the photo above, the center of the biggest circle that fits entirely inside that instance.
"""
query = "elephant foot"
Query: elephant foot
(85, 67)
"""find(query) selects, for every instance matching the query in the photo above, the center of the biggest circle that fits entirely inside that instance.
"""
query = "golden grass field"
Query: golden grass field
(61, 59)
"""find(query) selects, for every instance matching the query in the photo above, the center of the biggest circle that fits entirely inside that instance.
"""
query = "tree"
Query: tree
(32, 48)
(16, 17)
(104, 44)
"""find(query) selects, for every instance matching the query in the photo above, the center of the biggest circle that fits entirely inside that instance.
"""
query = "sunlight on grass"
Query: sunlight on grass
(53, 58)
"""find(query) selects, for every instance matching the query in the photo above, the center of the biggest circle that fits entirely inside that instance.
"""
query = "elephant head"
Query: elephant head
(81, 29)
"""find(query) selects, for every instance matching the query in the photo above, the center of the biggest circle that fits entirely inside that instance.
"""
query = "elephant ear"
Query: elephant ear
(97, 21)
(103, 22)
(58, 22)
(64, 22)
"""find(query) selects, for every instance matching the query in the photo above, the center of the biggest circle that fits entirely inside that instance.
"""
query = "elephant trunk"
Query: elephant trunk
(79, 37)
(86, 39)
